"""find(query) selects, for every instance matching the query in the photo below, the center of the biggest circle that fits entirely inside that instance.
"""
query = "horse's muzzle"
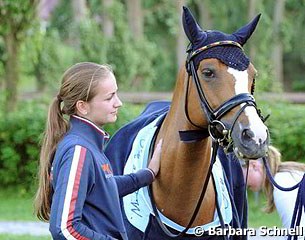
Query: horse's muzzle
(247, 145)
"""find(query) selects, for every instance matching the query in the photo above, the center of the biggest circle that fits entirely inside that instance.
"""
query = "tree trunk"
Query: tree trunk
(135, 18)
(11, 71)
(45, 9)
(136, 25)
(252, 11)
(38, 73)
(277, 52)
(79, 10)
(181, 39)
(206, 21)
(108, 26)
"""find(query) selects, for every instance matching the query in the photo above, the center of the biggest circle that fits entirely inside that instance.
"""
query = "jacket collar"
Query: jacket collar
(89, 131)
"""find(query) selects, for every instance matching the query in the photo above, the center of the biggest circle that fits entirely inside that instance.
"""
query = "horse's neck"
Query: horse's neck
(184, 167)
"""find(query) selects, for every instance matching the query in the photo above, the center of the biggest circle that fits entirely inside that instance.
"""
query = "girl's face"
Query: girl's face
(255, 175)
(103, 107)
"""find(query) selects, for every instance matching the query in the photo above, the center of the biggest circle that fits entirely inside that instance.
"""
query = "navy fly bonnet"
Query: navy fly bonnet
(215, 44)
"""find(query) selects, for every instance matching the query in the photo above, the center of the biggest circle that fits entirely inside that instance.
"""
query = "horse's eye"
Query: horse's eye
(208, 73)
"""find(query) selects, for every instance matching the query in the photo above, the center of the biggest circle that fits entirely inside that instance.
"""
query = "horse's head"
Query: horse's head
(224, 78)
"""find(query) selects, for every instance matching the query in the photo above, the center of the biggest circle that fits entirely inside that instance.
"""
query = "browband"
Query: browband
(214, 44)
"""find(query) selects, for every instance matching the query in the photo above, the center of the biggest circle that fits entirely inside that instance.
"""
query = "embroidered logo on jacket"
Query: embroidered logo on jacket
(107, 170)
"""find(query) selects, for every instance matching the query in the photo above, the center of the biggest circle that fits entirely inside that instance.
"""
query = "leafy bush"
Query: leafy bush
(286, 125)
(21, 132)
(43, 60)
(20, 138)
(93, 44)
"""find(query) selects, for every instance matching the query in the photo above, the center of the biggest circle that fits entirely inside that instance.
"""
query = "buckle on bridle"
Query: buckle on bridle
(218, 131)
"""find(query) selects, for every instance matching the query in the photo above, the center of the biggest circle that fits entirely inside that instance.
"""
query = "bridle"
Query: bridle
(217, 130)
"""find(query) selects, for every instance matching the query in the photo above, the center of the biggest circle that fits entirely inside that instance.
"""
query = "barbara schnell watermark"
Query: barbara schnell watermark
(261, 231)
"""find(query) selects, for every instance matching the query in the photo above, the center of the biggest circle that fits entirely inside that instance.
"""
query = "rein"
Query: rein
(299, 206)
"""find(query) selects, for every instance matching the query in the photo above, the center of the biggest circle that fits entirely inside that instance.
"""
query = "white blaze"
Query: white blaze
(255, 123)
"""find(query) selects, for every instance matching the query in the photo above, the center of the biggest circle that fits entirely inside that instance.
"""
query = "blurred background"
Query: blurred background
(145, 44)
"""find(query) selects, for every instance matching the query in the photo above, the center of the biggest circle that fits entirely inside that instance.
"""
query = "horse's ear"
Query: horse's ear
(245, 32)
(192, 30)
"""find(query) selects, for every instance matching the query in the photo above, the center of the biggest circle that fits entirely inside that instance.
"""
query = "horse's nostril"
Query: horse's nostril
(247, 134)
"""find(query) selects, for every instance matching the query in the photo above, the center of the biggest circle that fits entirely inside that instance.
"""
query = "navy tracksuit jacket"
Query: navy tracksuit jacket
(85, 200)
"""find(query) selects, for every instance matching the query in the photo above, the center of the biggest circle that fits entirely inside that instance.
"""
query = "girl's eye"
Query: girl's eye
(208, 73)
(112, 95)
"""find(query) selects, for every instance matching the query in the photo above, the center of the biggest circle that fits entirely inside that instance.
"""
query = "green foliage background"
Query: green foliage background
(52, 47)
(21, 132)
(147, 64)
(286, 124)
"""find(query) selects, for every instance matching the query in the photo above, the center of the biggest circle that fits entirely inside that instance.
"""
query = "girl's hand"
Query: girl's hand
(154, 164)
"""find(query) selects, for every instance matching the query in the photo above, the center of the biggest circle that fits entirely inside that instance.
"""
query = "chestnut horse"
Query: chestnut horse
(212, 105)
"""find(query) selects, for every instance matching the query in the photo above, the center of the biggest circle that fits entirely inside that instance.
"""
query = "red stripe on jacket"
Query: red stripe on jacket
(80, 165)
